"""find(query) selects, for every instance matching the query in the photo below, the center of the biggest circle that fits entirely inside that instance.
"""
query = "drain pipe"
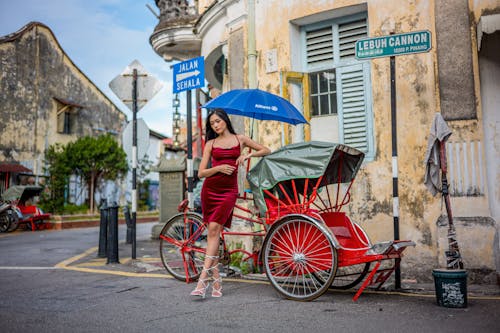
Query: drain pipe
(252, 60)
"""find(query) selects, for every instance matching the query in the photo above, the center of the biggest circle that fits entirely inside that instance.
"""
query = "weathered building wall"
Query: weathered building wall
(420, 95)
(34, 72)
(446, 79)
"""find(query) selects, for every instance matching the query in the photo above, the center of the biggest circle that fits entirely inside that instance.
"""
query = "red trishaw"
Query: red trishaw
(309, 243)
(22, 197)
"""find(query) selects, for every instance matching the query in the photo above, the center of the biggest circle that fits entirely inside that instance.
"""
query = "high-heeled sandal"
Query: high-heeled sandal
(217, 292)
(201, 292)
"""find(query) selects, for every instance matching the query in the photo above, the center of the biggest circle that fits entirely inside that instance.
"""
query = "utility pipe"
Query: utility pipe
(252, 59)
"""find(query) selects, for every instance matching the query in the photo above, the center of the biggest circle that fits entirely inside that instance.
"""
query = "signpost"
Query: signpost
(135, 87)
(392, 46)
(188, 75)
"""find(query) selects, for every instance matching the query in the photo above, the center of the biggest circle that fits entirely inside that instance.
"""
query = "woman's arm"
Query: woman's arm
(258, 150)
(203, 171)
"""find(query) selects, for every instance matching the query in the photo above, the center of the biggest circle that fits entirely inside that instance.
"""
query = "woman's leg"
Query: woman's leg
(213, 236)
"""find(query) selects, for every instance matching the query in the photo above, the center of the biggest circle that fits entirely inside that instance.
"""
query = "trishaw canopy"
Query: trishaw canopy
(21, 192)
(337, 163)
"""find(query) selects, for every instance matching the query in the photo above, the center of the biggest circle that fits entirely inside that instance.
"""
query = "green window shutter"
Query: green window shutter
(355, 121)
(348, 34)
(319, 47)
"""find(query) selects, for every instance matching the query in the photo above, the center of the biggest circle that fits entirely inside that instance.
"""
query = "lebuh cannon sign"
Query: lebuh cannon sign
(393, 45)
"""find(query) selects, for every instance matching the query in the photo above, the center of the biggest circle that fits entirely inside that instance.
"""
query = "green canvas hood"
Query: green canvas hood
(336, 162)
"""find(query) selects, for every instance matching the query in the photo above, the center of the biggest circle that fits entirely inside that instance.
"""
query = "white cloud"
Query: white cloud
(101, 37)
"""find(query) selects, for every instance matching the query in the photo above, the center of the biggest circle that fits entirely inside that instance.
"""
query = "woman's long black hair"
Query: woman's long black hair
(210, 133)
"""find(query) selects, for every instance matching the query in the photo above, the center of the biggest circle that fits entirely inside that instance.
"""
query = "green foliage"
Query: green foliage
(59, 171)
(70, 209)
(144, 166)
(236, 259)
(93, 158)
(97, 158)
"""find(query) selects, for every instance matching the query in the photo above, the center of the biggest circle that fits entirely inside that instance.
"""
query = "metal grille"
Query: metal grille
(466, 175)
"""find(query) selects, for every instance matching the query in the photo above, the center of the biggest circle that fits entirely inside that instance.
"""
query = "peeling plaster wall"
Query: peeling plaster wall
(418, 99)
(34, 69)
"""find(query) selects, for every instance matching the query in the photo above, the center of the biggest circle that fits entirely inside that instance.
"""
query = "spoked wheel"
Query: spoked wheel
(183, 241)
(349, 276)
(14, 220)
(299, 258)
(4, 221)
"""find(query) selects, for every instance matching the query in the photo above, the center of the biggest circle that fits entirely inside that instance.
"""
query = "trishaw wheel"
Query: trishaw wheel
(183, 241)
(14, 221)
(349, 276)
(4, 221)
(300, 259)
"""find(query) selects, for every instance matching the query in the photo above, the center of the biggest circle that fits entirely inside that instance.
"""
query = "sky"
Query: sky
(102, 37)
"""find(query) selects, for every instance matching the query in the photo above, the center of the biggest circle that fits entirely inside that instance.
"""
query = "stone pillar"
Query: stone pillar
(172, 187)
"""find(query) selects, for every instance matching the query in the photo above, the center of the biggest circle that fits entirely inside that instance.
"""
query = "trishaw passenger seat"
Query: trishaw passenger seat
(343, 229)
(29, 210)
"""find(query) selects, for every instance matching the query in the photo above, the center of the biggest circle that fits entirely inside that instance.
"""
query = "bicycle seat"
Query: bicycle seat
(183, 205)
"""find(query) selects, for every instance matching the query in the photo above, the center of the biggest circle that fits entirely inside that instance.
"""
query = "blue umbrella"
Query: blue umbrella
(257, 104)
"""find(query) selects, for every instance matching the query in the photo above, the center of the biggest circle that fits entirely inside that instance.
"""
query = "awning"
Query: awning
(68, 102)
(67, 106)
(14, 167)
(487, 24)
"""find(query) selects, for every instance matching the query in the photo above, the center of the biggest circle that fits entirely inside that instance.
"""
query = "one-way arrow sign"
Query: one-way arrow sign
(189, 74)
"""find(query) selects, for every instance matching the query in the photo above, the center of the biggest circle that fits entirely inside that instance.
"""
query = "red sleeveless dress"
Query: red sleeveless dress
(220, 191)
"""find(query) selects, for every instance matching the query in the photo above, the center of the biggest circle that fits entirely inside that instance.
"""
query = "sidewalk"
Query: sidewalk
(148, 264)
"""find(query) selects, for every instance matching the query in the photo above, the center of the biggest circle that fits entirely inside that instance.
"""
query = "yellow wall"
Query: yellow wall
(417, 102)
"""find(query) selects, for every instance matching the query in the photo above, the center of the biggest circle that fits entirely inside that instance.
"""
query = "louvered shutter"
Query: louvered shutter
(349, 33)
(354, 120)
(319, 47)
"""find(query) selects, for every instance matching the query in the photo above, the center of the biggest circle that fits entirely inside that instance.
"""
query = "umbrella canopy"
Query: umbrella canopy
(300, 161)
(257, 104)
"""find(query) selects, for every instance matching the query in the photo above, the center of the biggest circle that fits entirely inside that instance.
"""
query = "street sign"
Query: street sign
(142, 140)
(393, 45)
(147, 85)
(189, 74)
(135, 87)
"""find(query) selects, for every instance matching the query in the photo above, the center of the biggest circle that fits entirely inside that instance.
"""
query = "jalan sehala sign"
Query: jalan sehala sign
(189, 74)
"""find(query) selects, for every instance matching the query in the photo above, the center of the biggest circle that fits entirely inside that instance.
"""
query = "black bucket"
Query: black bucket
(451, 287)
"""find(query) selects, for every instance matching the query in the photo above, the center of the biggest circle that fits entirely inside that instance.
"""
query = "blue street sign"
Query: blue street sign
(189, 74)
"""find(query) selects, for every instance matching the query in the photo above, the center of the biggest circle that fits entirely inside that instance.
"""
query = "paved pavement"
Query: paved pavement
(148, 264)
(52, 281)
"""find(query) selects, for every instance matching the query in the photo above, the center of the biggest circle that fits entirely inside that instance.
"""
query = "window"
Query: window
(323, 93)
(67, 112)
(339, 83)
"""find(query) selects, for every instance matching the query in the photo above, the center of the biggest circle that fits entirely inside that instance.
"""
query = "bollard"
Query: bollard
(128, 221)
(113, 234)
(103, 230)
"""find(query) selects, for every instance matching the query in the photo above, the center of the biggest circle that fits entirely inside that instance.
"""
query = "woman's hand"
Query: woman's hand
(241, 160)
(226, 169)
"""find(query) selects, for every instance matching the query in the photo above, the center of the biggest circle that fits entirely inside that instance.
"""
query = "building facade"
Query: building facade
(46, 99)
(305, 51)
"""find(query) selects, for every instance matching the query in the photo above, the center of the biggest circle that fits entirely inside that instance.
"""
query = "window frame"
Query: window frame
(337, 66)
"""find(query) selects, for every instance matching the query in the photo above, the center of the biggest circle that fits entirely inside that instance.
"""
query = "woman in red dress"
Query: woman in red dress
(220, 189)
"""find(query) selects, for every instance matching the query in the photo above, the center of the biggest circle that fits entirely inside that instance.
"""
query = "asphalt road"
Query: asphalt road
(37, 296)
